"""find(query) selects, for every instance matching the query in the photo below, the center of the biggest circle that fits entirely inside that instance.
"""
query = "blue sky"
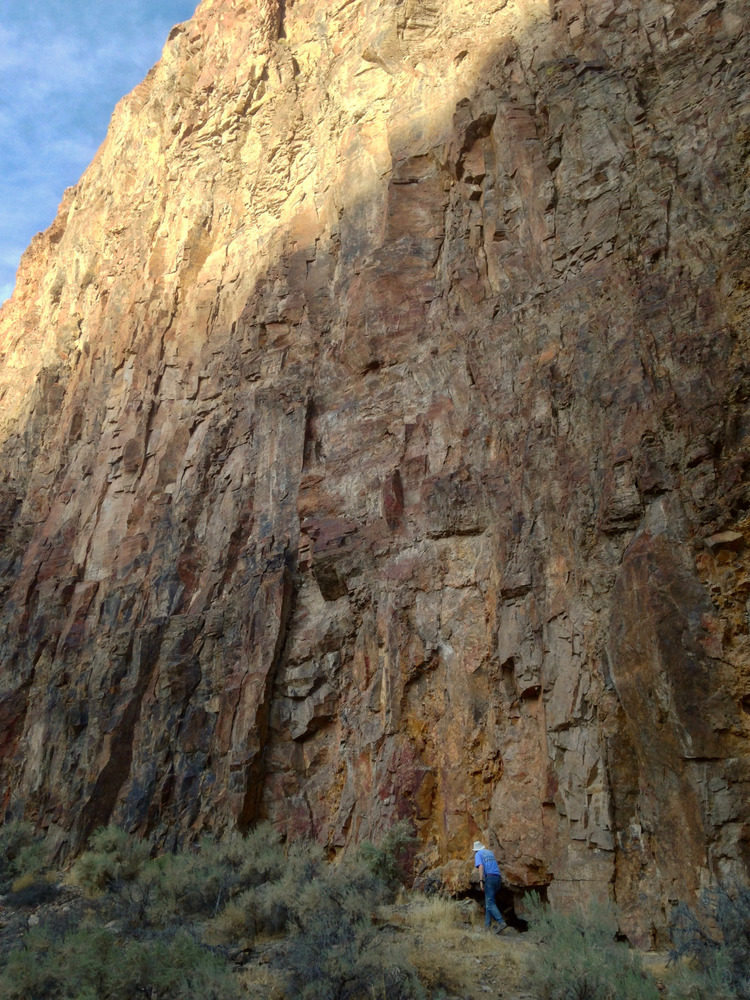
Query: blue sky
(64, 64)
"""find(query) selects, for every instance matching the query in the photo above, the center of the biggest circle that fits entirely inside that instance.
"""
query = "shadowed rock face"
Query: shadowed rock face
(374, 444)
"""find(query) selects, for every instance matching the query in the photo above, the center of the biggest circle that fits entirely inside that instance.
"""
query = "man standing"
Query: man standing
(490, 880)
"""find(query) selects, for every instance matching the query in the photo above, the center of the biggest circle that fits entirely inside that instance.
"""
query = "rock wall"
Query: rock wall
(374, 443)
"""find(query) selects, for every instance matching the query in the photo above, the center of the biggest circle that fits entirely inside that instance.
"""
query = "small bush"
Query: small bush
(112, 859)
(276, 903)
(335, 952)
(188, 884)
(577, 957)
(23, 882)
(391, 859)
(33, 860)
(23, 852)
(338, 960)
(262, 857)
(688, 981)
(349, 888)
(148, 917)
(261, 982)
(712, 953)
(93, 964)
(202, 881)
(234, 923)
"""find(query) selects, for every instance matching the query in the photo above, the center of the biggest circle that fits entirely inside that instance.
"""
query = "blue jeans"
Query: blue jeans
(492, 885)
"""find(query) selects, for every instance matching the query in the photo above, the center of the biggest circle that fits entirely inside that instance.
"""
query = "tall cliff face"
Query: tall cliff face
(375, 439)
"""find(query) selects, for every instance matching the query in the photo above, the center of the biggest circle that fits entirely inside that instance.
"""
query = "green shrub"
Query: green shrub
(113, 858)
(260, 883)
(23, 851)
(578, 958)
(262, 857)
(688, 981)
(335, 952)
(391, 860)
(33, 860)
(201, 881)
(271, 905)
(188, 885)
(305, 883)
(148, 916)
(712, 953)
(233, 924)
(93, 964)
(349, 888)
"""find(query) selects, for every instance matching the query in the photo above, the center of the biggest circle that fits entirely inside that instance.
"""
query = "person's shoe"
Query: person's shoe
(500, 928)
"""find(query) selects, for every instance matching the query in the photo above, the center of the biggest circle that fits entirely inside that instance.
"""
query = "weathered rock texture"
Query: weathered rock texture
(375, 443)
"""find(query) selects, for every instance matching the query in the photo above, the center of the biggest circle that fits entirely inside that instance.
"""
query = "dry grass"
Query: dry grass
(452, 952)
(232, 925)
(439, 912)
(26, 880)
(466, 963)
(261, 982)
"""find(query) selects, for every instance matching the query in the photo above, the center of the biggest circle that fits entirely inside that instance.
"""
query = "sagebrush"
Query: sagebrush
(165, 927)
(391, 860)
(711, 948)
(335, 951)
(578, 957)
(23, 855)
(92, 963)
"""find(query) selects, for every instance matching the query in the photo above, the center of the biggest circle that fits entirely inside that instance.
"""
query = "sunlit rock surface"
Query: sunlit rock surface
(374, 443)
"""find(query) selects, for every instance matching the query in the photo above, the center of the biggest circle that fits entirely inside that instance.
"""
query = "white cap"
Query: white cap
(478, 846)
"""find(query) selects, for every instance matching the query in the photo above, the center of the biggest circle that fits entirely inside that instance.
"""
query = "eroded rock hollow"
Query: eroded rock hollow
(374, 443)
